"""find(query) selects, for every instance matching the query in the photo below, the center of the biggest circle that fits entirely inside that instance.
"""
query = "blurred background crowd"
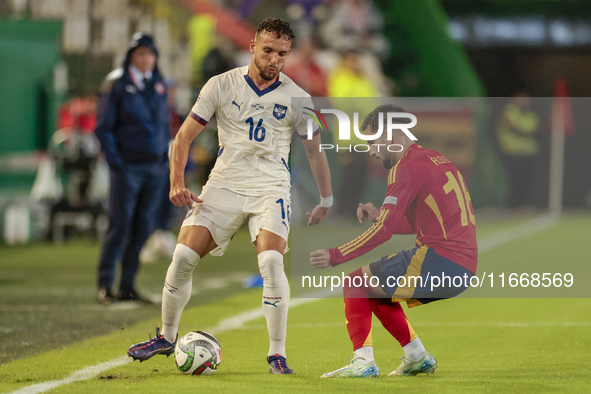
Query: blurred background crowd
(56, 53)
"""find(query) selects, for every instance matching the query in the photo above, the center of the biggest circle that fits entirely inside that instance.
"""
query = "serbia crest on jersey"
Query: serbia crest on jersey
(254, 130)
(279, 111)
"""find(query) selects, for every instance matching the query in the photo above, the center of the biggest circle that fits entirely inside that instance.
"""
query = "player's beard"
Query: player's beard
(264, 74)
(387, 163)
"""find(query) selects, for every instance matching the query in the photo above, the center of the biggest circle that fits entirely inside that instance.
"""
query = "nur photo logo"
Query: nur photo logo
(386, 122)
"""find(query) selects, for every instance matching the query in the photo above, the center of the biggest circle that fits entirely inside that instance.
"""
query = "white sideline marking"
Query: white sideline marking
(492, 241)
(228, 324)
(84, 373)
(526, 229)
(237, 321)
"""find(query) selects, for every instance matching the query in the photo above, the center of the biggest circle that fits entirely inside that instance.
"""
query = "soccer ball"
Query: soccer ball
(198, 353)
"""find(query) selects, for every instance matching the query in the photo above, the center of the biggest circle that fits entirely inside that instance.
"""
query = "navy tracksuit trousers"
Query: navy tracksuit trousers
(134, 201)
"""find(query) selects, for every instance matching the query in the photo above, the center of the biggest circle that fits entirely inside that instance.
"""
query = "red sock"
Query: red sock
(357, 312)
(393, 319)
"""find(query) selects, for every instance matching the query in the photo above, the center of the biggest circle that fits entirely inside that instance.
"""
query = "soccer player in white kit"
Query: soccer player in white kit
(250, 182)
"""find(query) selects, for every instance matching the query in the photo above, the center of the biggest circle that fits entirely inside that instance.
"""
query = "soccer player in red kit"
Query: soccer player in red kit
(426, 196)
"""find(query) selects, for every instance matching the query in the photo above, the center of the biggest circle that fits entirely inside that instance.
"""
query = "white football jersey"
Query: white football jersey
(254, 130)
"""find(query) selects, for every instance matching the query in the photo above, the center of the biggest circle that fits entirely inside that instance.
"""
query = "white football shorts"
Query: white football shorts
(222, 212)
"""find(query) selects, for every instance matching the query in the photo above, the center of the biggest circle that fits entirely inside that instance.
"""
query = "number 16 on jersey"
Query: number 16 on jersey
(258, 132)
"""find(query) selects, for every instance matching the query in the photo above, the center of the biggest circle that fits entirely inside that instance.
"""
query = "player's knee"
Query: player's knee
(184, 261)
(270, 260)
(271, 266)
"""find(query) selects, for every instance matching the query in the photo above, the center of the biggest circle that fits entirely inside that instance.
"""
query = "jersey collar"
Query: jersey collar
(257, 90)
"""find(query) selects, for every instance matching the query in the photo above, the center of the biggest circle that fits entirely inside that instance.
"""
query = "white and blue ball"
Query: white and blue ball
(198, 353)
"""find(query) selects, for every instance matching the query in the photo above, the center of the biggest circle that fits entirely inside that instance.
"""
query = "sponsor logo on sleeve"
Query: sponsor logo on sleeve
(391, 200)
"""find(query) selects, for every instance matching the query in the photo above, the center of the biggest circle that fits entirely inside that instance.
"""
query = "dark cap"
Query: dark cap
(140, 40)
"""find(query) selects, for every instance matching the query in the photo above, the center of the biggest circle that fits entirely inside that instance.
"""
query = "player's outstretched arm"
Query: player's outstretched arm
(321, 172)
(179, 194)
(320, 258)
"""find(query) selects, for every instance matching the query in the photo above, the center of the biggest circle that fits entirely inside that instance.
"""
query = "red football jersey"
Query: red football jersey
(427, 196)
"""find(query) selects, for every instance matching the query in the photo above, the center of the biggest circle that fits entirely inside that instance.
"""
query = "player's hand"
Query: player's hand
(180, 196)
(320, 258)
(367, 211)
(317, 215)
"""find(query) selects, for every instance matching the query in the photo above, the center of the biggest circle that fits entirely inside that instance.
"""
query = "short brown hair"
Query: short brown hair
(372, 120)
(277, 26)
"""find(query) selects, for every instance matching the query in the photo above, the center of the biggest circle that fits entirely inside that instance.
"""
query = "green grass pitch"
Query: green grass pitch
(482, 345)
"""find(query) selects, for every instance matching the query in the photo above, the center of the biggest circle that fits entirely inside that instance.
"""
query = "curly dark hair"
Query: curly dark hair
(372, 120)
(277, 26)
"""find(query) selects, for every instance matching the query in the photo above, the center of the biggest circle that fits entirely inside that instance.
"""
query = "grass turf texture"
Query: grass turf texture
(47, 293)
(482, 345)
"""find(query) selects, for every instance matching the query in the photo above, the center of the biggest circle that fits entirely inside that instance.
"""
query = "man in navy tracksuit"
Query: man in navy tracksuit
(132, 126)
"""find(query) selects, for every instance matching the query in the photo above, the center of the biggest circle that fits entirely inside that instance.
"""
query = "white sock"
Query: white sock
(367, 353)
(414, 350)
(177, 289)
(275, 299)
